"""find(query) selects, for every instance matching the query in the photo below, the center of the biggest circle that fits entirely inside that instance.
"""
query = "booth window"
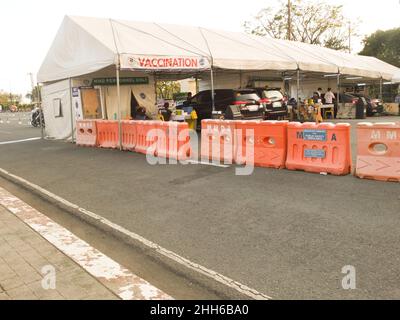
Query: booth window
(57, 108)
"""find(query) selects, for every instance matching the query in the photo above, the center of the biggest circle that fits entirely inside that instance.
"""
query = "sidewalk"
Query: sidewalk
(23, 254)
(40, 259)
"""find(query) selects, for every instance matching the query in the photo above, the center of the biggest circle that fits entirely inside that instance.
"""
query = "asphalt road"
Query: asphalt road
(287, 234)
(16, 126)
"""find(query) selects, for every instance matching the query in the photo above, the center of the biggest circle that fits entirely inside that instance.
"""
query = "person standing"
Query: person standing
(329, 96)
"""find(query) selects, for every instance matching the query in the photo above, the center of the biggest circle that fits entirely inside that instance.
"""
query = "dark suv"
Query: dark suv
(374, 106)
(246, 100)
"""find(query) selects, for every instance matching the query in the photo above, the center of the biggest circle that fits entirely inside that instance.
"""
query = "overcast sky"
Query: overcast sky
(28, 27)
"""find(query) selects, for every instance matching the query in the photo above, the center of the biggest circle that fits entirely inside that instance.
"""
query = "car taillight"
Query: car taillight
(265, 100)
(239, 103)
(354, 101)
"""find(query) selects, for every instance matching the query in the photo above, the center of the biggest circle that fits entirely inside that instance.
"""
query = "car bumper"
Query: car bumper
(275, 113)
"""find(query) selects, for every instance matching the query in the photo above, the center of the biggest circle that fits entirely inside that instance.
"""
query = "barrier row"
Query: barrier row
(169, 140)
(279, 144)
(318, 148)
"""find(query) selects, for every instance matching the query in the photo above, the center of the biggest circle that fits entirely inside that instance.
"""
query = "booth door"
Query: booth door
(91, 103)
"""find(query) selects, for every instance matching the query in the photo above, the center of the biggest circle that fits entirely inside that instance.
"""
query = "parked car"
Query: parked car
(374, 106)
(359, 102)
(246, 100)
(274, 102)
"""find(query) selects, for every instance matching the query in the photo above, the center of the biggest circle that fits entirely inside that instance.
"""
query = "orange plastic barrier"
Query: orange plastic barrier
(107, 134)
(86, 133)
(173, 140)
(146, 137)
(217, 140)
(262, 143)
(378, 151)
(319, 148)
(129, 134)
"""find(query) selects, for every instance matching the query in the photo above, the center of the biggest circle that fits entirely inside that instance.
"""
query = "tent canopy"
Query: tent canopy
(396, 77)
(84, 45)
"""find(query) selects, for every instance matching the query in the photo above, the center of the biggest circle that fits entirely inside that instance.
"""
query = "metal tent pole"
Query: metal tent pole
(212, 90)
(338, 88)
(41, 118)
(298, 88)
(381, 89)
(72, 114)
(119, 105)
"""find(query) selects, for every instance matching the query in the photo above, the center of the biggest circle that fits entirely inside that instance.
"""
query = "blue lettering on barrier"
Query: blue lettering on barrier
(314, 135)
(314, 153)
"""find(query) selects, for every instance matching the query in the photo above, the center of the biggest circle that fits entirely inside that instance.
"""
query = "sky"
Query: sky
(27, 28)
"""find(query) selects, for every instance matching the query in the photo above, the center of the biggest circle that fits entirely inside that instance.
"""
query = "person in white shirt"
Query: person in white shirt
(329, 96)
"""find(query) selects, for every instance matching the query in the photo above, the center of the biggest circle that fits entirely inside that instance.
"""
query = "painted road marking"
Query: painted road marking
(207, 163)
(110, 273)
(19, 141)
(243, 289)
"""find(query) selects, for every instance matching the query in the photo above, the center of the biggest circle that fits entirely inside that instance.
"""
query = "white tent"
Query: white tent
(86, 48)
(396, 77)
(84, 45)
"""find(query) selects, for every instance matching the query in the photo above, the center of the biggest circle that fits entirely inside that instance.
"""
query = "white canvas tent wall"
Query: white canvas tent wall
(60, 127)
(88, 45)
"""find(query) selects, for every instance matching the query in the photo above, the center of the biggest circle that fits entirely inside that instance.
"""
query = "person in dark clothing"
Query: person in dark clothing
(166, 112)
(141, 113)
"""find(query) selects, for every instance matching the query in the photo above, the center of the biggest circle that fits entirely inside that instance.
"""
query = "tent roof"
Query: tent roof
(84, 45)
(396, 77)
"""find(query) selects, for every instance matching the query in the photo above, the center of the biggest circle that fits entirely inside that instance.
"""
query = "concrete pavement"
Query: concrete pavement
(42, 260)
(24, 256)
(287, 234)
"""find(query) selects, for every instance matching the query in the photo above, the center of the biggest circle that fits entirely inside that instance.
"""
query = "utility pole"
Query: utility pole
(289, 33)
(349, 36)
(37, 103)
(30, 74)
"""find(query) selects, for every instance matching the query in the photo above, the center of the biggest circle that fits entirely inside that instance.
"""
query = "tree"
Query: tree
(33, 94)
(7, 99)
(384, 45)
(167, 89)
(311, 22)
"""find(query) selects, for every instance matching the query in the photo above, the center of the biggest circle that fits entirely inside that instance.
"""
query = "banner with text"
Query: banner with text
(167, 63)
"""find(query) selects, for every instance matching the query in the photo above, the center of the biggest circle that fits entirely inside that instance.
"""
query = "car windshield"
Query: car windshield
(272, 94)
(247, 96)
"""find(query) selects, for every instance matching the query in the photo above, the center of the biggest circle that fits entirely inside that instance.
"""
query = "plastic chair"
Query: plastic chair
(330, 112)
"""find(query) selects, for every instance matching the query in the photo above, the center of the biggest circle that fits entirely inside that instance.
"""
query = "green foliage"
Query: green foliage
(167, 89)
(7, 99)
(384, 45)
(311, 22)
(34, 93)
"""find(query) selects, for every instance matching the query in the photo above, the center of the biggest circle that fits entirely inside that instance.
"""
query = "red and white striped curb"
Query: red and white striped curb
(111, 274)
